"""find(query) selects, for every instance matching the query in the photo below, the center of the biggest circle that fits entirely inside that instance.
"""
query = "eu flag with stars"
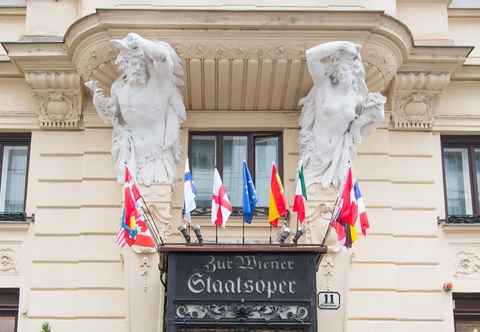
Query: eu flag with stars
(249, 195)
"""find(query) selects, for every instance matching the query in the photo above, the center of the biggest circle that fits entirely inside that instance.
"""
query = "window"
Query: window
(466, 312)
(8, 309)
(226, 151)
(461, 166)
(14, 155)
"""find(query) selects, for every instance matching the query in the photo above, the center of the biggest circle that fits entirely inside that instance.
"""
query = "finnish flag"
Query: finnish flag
(188, 194)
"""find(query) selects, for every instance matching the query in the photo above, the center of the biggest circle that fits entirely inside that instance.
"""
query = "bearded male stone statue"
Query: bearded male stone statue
(145, 109)
(336, 113)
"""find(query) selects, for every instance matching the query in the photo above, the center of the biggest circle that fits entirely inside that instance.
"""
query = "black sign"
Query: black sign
(244, 288)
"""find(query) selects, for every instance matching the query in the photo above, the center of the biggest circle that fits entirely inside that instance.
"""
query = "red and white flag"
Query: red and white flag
(133, 229)
(221, 207)
(350, 217)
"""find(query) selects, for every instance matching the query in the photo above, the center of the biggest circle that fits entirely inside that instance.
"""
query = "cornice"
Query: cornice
(9, 70)
(216, 43)
(13, 11)
(467, 73)
(464, 13)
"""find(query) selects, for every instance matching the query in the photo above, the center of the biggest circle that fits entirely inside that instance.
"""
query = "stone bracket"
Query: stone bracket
(59, 98)
(413, 98)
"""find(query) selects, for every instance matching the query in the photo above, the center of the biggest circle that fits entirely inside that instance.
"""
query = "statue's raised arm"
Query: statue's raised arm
(337, 111)
(148, 95)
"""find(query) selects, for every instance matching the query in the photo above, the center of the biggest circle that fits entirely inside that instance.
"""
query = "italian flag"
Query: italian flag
(300, 196)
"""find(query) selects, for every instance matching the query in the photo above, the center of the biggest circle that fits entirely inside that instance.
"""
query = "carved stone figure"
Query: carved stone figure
(336, 113)
(145, 109)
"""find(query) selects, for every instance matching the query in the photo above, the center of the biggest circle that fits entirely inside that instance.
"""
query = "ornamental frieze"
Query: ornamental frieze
(59, 98)
(413, 99)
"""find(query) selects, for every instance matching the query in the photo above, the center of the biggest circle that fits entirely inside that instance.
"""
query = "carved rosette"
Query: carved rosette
(413, 99)
(59, 98)
(467, 264)
(8, 260)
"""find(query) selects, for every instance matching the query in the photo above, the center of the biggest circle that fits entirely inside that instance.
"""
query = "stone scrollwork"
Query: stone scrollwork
(413, 99)
(8, 260)
(467, 263)
(252, 312)
(59, 98)
(380, 66)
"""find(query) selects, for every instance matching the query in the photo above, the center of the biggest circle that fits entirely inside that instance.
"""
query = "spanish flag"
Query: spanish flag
(277, 206)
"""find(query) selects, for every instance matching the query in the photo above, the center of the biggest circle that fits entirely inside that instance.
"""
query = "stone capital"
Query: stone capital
(413, 98)
(59, 98)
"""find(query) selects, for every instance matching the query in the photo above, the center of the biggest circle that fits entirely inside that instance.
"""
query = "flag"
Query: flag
(277, 206)
(300, 196)
(221, 207)
(350, 217)
(133, 228)
(189, 192)
(249, 195)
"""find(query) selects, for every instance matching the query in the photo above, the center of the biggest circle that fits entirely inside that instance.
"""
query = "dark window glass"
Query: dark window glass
(226, 151)
(466, 312)
(461, 169)
(202, 162)
(8, 309)
(14, 155)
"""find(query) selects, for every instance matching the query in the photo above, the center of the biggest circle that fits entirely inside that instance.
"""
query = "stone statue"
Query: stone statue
(145, 109)
(336, 113)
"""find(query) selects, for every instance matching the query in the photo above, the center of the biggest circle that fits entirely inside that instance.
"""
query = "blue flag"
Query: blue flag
(249, 195)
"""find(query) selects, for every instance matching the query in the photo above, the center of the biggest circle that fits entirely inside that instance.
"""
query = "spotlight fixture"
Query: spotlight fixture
(198, 234)
(298, 235)
(184, 231)
(284, 235)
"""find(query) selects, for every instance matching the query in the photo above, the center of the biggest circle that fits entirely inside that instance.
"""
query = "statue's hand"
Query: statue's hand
(96, 90)
(132, 40)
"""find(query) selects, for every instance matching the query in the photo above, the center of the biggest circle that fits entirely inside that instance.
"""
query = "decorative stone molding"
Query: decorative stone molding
(8, 260)
(59, 98)
(467, 263)
(253, 312)
(413, 99)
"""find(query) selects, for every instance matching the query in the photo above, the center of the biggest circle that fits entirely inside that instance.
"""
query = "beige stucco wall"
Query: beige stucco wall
(71, 274)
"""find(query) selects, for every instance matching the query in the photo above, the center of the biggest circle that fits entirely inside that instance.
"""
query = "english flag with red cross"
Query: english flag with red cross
(221, 207)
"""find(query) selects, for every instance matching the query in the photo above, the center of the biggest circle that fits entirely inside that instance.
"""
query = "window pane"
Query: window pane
(234, 152)
(14, 173)
(202, 163)
(266, 152)
(7, 323)
(467, 326)
(477, 173)
(459, 199)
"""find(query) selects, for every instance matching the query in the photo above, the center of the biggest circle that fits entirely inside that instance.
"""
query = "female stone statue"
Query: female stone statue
(145, 109)
(337, 111)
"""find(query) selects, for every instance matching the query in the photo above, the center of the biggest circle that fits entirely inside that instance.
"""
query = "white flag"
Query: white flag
(221, 207)
(188, 194)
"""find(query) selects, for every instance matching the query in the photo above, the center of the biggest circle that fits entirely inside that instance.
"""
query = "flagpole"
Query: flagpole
(330, 222)
(270, 233)
(151, 217)
(216, 232)
(243, 231)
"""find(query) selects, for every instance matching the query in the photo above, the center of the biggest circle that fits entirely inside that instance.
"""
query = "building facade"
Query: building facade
(245, 72)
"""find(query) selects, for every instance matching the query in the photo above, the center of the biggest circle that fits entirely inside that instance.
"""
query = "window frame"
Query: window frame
(15, 139)
(251, 136)
(465, 313)
(470, 143)
(9, 303)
